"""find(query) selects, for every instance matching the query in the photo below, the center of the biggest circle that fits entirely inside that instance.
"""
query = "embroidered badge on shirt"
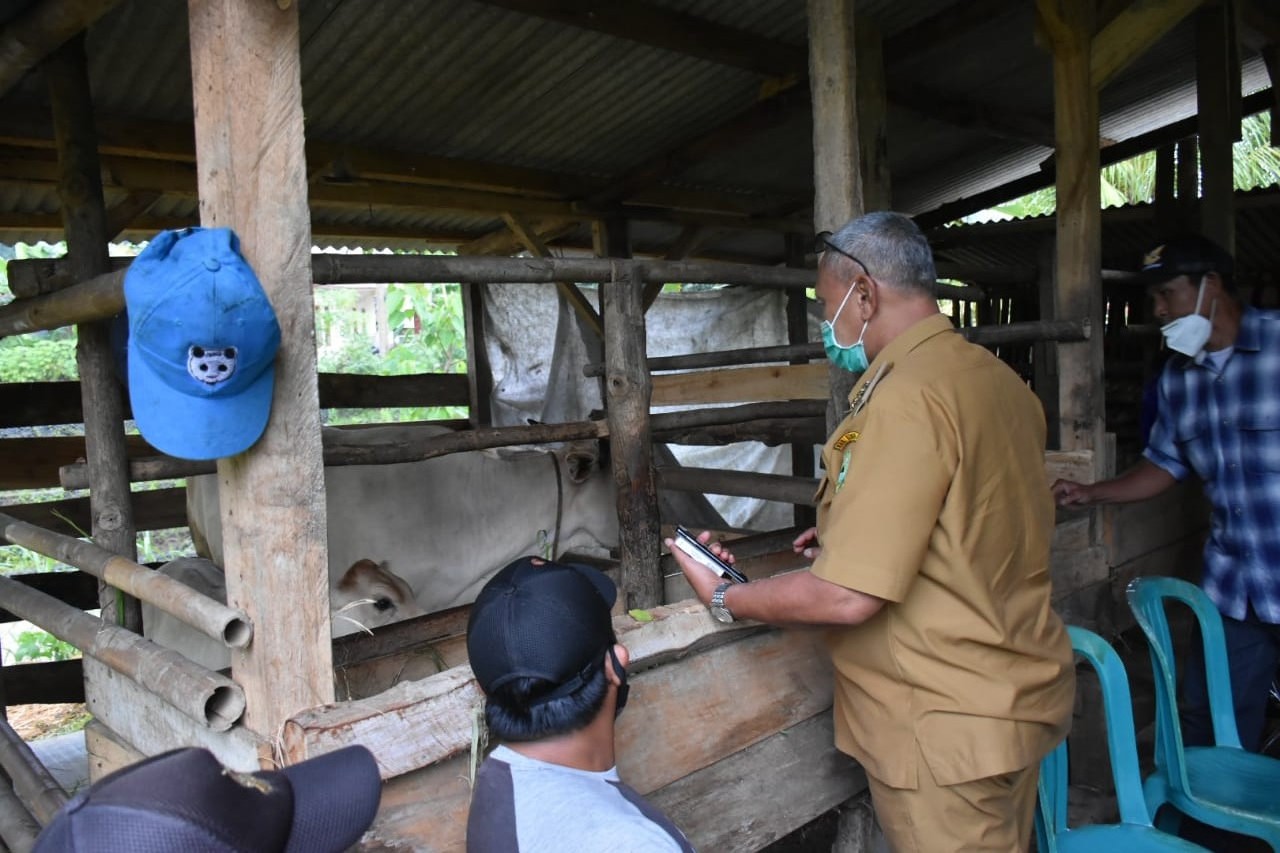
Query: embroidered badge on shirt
(844, 469)
(864, 391)
(845, 440)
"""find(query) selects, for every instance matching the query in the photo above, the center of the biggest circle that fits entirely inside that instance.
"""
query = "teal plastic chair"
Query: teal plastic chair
(1134, 833)
(1220, 785)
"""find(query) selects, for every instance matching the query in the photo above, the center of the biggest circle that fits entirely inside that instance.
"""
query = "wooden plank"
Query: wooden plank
(161, 509)
(629, 391)
(107, 751)
(75, 588)
(1073, 534)
(33, 463)
(743, 384)
(1075, 465)
(151, 725)
(43, 403)
(765, 791)
(438, 709)
(44, 683)
(1131, 33)
(1132, 530)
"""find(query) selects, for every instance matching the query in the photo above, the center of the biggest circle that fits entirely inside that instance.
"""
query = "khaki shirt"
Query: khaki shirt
(935, 499)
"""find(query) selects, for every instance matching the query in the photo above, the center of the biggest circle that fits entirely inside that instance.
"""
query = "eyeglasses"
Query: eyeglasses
(822, 242)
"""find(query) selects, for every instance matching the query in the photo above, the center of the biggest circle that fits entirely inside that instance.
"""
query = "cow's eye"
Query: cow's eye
(383, 604)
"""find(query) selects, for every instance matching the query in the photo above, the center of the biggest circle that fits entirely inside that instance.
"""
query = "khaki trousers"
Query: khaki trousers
(992, 814)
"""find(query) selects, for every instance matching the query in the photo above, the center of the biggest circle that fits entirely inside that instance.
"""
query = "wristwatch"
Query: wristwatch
(718, 610)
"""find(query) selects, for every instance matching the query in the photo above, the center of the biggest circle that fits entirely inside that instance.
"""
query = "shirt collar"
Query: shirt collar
(914, 336)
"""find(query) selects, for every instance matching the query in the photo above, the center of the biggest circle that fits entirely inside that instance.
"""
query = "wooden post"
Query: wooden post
(102, 395)
(1217, 90)
(846, 80)
(1166, 200)
(479, 373)
(630, 386)
(1078, 267)
(251, 171)
(1188, 184)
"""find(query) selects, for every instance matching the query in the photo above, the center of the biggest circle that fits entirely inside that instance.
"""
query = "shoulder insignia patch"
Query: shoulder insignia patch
(845, 440)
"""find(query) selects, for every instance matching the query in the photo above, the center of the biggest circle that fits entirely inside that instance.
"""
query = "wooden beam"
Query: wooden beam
(503, 241)
(972, 115)
(1261, 24)
(943, 28)
(580, 304)
(1271, 56)
(677, 32)
(1132, 33)
(1217, 93)
(252, 177)
(39, 30)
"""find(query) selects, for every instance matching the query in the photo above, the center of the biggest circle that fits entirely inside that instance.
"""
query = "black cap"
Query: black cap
(1190, 255)
(540, 619)
(185, 801)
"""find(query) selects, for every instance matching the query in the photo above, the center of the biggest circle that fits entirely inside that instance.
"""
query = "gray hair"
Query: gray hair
(893, 249)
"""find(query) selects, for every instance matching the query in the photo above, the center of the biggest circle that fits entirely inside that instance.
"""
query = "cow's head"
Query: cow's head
(369, 594)
(582, 458)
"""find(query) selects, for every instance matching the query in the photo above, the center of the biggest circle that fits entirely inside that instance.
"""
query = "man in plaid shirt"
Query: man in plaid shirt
(1219, 418)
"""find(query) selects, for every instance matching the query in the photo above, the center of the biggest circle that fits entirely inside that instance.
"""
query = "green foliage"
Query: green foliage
(427, 335)
(41, 645)
(1256, 164)
(40, 356)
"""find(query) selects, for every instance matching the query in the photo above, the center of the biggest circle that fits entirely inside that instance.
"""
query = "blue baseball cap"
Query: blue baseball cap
(202, 345)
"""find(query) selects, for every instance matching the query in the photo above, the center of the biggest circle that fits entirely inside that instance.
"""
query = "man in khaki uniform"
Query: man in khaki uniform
(953, 676)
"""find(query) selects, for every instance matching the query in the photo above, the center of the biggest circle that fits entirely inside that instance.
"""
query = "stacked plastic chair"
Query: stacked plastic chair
(1220, 785)
(1135, 832)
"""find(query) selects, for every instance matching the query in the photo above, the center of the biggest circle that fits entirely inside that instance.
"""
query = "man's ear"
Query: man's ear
(624, 659)
(1213, 285)
(868, 296)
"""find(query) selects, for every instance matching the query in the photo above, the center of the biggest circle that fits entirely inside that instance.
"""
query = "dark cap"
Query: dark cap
(185, 801)
(1191, 255)
(546, 620)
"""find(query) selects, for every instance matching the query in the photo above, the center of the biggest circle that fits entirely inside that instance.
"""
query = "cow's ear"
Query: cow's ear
(579, 461)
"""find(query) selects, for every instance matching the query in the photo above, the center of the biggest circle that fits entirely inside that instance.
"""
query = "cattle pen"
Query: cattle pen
(734, 741)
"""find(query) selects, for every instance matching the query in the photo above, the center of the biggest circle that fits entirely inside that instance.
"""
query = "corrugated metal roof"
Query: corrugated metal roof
(479, 83)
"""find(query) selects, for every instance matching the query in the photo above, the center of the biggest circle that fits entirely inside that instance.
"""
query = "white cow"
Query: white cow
(447, 524)
(366, 596)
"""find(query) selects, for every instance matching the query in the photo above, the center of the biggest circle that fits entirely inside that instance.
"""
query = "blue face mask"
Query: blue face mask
(852, 358)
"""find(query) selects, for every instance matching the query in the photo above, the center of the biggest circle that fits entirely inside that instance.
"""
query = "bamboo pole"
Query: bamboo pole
(1009, 333)
(35, 786)
(207, 697)
(201, 612)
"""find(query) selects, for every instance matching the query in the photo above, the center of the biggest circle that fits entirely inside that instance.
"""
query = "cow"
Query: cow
(448, 523)
(367, 595)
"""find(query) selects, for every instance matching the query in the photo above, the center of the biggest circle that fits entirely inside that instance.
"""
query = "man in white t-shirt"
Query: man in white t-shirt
(542, 646)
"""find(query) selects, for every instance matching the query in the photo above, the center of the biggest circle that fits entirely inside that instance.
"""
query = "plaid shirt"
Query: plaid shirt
(1225, 427)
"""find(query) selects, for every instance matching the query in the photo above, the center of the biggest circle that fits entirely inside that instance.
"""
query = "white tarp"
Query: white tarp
(537, 375)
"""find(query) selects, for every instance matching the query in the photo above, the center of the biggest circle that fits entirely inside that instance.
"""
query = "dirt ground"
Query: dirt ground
(33, 722)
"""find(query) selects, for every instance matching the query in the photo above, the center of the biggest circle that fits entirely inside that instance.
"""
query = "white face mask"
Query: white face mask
(1189, 334)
